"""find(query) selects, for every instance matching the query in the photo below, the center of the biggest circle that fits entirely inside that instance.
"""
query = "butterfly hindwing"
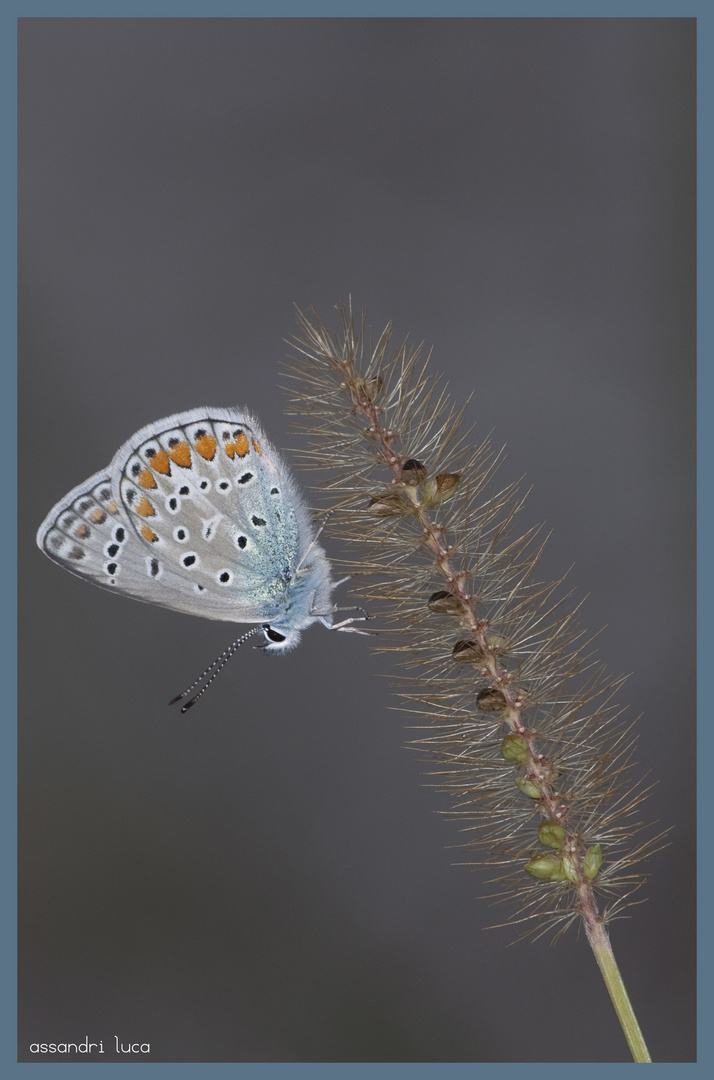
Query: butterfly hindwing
(89, 534)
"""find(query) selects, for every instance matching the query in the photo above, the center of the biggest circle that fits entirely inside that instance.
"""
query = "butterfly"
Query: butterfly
(198, 513)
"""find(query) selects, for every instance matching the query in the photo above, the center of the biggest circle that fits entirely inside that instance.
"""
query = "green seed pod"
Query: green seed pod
(528, 787)
(497, 641)
(441, 487)
(546, 867)
(571, 869)
(551, 834)
(515, 748)
(592, 861)
(444, 603)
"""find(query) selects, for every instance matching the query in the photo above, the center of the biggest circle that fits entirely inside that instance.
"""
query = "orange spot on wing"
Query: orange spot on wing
(82, 532)
(149, 534)
(181, 455)
(256, 447)
(97, 516)
(206, 447)
(144, 507)
(112, 507)
(239, 446)
(160, 462)
(146, 480)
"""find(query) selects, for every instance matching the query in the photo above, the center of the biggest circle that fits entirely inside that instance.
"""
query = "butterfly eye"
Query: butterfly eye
(273, 635)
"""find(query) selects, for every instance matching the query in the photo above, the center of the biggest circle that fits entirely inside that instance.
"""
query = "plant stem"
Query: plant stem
(600, 944)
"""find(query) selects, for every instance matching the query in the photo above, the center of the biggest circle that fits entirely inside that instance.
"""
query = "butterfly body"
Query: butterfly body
(198, 513)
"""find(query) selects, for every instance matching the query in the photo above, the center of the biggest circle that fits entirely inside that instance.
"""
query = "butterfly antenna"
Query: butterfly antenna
(218, 664)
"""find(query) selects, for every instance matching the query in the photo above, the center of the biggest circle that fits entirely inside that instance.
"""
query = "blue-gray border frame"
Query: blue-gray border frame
(703, 11)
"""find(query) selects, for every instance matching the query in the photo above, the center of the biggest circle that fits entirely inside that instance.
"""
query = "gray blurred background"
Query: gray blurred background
(266, 878)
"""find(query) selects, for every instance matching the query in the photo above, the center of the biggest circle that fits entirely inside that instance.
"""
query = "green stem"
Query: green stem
(600, 944)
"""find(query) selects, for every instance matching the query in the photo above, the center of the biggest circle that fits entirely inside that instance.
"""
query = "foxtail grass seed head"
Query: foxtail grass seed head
(514, 716)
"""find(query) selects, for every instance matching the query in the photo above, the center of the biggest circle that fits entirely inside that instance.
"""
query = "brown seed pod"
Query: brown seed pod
(445, 603)
(390, 504)
(413, 472)
(469, 652)
(441, 487)
(491, 700)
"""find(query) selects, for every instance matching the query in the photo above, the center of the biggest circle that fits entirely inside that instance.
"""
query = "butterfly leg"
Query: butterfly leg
(346, 624)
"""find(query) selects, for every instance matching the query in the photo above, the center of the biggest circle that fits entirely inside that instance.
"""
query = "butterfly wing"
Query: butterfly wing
(89, 534)
(196, 513)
